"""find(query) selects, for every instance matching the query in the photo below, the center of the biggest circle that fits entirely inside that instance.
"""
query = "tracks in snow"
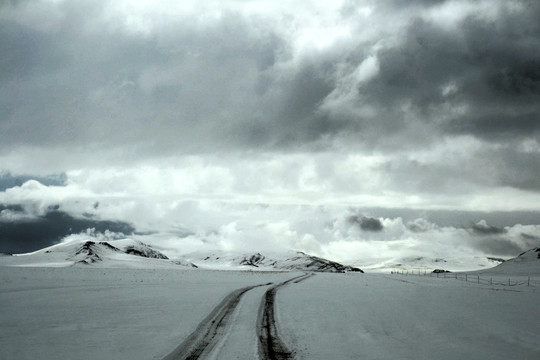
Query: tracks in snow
(271, 347)
(215, 326)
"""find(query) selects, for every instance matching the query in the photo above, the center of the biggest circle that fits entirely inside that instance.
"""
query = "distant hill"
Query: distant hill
(526, 263)
(114, 253)
(136, 254)
(287, 261)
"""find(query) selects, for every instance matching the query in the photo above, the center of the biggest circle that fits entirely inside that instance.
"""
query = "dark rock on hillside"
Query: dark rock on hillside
(440, 271)
(531, 250)
(145, 251)
(291, 261)
(324, 265)
(90, 251)
(253, 260)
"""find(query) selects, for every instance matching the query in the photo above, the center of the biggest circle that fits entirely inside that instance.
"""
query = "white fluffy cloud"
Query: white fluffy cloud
(178, 222)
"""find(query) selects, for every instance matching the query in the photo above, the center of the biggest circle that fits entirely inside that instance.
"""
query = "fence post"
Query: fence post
(466, 278)
(479, 279)
(528, 281)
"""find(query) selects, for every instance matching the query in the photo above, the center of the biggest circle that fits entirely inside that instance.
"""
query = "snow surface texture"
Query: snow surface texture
(396, 317)
(95, 313)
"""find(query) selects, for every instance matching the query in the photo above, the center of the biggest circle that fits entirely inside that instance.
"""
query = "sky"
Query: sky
(349, 129)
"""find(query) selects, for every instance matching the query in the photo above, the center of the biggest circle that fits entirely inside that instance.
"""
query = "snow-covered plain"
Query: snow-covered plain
(378, 316)
(99, 313)
(90, 312)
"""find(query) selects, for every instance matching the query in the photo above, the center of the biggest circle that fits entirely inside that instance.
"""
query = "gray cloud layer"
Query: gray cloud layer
(405, 76)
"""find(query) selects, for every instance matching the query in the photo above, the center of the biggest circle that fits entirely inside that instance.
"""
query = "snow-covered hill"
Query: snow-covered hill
(422, 263)
(526, 263)
(136, 254)
(275, 261)
(116, 253)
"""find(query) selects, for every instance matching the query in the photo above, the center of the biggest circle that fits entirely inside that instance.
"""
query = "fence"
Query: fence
(477, 279)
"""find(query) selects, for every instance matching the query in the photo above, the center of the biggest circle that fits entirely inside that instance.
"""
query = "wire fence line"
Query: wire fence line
(477, 279)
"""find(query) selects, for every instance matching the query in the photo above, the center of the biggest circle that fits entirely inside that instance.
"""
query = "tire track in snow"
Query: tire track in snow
(211, 329)
(271, 347)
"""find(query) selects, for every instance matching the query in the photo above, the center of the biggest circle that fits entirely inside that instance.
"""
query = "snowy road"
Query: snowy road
(217, 327)
(271, 346)
(203, 340)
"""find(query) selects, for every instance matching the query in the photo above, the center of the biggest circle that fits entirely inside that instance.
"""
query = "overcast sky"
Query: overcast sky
(423, 105)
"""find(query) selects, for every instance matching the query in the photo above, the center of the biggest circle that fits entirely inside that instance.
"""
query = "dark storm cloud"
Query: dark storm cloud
(497, 241)
(30, 234)
(506, 165)
(490, 67)
(530, 237)
(80, 80)
(497, 126)
(453, 218)
(366, 223)
(27, 52)
(482, 228)
(494, 66)
(497, 246)
(71, 87)
(517, 169)
(296, 120)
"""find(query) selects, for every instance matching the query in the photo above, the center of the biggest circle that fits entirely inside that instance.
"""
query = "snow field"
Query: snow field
(376, 316)
(100, 313)
(96, 313)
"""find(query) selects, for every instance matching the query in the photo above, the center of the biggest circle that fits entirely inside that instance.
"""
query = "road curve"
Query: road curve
(211, 329)
(271, 347)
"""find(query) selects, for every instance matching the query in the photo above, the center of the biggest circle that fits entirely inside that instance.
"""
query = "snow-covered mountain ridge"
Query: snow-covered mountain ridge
(526, 263)
(91, 252)
(422, 263)
(136, 254)
(114, 253)
(528, 255)
(287, 261)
